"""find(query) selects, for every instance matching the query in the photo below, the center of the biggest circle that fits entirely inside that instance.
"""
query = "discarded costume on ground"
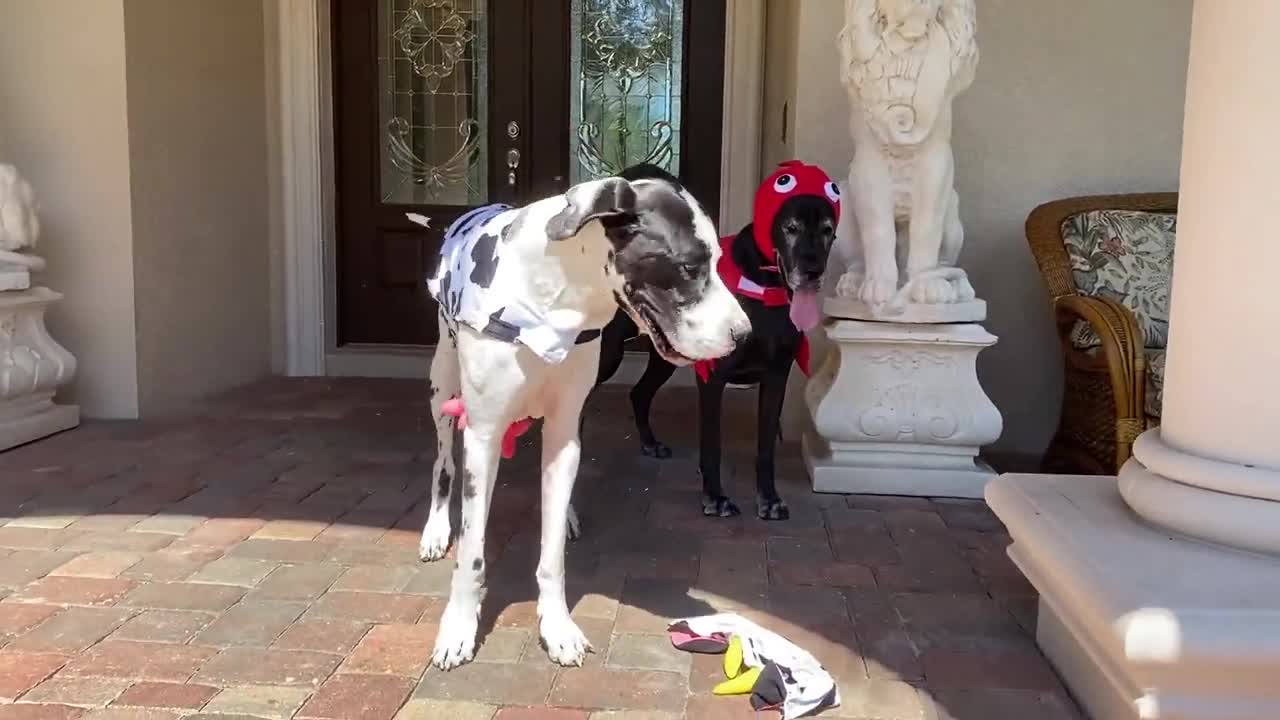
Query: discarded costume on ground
(778, 674)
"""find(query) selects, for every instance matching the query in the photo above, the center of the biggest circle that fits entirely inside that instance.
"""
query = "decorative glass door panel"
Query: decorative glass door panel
(433, 78)
(444, 105)
(626, 60)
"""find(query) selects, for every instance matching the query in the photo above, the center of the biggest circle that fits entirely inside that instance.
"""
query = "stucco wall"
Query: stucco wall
(142, 125)
(64, 123)
(197, 125)
(1070, 98)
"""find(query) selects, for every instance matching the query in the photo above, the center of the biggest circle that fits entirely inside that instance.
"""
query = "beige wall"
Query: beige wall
(142, 125)
(1070, 98)
(781, 84)
(64, 123)
(197, 125)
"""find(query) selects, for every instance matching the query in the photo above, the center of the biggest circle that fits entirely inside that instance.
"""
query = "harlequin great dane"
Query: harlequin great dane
(523, 294)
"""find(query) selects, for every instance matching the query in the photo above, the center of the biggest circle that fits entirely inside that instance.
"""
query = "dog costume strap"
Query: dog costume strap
(586, 336)
(739, 284)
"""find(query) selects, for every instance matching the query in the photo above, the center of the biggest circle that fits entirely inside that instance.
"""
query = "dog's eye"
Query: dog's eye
(833, 192)
(785, 183)
(690, 270)
(792, 228)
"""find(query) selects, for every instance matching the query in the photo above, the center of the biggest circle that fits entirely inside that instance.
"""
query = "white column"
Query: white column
(1212, 470)
(1142, 619)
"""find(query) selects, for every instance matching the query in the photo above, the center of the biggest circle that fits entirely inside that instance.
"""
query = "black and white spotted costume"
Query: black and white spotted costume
(468, 284)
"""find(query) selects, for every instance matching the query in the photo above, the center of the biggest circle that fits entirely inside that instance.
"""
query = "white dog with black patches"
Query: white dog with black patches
(523, 294)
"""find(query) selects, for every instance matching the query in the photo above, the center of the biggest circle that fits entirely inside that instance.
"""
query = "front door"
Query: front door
(443, 105)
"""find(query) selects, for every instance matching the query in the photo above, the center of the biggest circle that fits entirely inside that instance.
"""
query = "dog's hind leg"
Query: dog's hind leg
(656, 374)
(561, 453)
(445, 383)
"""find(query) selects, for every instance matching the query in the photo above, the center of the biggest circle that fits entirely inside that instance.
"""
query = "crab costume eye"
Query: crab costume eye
(785, 183)
(833, 191)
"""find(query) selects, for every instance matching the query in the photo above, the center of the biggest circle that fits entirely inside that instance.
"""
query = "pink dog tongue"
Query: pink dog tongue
(804, 310)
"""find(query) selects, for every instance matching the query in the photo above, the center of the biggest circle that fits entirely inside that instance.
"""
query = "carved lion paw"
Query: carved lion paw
(878, 289)
(932, 290)
(964, 290)
(850, 285)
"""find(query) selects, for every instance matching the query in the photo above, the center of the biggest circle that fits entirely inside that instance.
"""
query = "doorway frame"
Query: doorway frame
(308, 183)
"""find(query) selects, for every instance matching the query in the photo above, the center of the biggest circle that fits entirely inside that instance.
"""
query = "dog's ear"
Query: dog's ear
(611, 197)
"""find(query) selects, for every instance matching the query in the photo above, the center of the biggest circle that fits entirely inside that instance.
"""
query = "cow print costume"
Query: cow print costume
(468, 285)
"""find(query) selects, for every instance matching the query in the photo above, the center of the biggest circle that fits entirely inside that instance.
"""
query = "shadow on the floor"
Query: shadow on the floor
(358, 454)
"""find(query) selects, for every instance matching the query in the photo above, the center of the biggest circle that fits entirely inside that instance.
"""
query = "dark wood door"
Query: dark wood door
(444, 105)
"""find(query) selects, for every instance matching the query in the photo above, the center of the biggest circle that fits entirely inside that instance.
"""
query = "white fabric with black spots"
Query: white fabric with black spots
(470, 287)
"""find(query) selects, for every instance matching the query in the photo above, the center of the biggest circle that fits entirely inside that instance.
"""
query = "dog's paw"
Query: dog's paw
(772, 509)
(655, 450)
(564, 641)
(435, 537)
(719, 507)
(455, 642)
(573, 526)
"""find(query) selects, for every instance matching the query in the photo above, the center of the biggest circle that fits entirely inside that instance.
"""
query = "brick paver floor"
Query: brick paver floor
(259, 561)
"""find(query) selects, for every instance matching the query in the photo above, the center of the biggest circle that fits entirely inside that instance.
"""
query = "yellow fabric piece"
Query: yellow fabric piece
(740, 685)
(733, 658)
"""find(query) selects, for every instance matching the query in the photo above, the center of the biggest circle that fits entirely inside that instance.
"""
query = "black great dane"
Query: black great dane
(774, 266)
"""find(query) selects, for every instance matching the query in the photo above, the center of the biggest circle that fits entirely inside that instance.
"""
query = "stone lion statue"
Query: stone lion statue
(19, 226)
(903, 62)
(19, 229)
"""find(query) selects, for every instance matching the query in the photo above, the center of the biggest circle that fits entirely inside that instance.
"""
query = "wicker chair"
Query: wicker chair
(1105, 403)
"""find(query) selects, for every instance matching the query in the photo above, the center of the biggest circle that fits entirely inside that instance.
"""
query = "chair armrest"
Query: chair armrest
(1122, 348)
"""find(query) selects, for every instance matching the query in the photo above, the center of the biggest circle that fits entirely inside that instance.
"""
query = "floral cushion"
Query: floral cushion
(1125, 255)
(1155, 381)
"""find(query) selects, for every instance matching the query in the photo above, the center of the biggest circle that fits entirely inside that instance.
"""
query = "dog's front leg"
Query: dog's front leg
(456, 641)
(773, 390)
(714, 502)
(656, 374)
(561, 452)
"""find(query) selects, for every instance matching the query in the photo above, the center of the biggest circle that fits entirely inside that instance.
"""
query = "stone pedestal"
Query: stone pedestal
(1142, 624)
(32, 368)
(898, 410)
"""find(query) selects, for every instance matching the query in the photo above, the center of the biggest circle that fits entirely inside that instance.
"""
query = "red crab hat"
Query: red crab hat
(791, 179)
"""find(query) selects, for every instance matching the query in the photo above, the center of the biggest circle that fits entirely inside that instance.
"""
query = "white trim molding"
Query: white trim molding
(743, 111)
(307, 206)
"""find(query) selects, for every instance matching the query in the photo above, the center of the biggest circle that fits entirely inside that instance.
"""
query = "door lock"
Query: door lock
(513, 162)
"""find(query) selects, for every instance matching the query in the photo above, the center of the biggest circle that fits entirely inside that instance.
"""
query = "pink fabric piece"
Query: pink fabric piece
(454, 407)
(679, 638)
(685, 639)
